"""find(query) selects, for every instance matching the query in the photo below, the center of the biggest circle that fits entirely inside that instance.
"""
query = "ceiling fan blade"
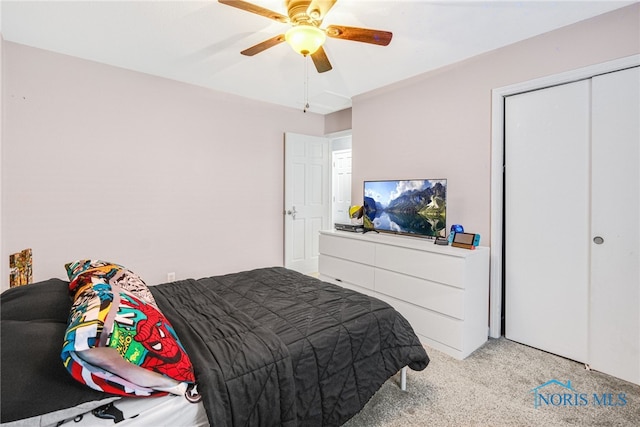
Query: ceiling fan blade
(364, 35)
(321, 61)
(263, 45)
(318, 9)
(258, 10)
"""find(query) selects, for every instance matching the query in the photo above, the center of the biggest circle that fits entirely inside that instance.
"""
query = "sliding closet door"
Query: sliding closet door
(614, 339)
(547, 135)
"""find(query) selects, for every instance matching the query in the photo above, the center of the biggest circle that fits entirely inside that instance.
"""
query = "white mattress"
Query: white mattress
(157, 411)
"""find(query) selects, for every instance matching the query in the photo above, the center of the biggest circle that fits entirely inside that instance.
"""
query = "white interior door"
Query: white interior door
(341, 183)
(546, 215)
(307, 199)
(614, 339)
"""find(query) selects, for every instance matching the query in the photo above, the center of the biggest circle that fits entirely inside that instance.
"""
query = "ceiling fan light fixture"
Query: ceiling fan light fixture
(305, 39)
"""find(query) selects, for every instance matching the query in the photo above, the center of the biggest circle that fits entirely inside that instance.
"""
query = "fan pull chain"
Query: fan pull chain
(306, 84)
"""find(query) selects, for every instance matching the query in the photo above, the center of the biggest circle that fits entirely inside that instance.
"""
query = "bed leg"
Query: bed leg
(403, 379)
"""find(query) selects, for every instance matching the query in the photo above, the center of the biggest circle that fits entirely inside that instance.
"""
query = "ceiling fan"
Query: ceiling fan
(305, 35)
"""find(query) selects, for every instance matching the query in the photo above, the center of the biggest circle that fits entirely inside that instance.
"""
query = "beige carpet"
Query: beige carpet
(494, 387)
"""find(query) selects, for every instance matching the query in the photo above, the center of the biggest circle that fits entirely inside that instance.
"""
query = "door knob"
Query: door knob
(292, 212)
(598, 240)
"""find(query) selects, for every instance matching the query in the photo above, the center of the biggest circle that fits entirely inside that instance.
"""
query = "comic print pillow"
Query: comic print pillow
(114, 317)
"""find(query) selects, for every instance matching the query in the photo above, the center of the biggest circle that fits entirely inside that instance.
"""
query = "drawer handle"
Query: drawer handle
(338, 280)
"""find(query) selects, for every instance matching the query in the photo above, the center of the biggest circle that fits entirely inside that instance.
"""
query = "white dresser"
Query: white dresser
(443, 291)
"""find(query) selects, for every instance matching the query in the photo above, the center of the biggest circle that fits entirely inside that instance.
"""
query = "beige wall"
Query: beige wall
(338, 121)
(157, 175)
(438, 125)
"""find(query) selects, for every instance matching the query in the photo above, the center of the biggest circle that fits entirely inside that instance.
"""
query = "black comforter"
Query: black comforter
(275, 347)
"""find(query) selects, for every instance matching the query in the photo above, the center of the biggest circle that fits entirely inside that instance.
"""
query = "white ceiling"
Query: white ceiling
(199, 42)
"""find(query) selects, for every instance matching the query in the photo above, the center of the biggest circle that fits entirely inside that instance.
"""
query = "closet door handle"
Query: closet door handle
(598, 240)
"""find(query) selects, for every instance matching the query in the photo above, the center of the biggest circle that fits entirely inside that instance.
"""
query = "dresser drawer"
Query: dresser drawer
(433, 296)
(350, 249)
(437, 327)
(431, 266)
(348, 285)
(346, 271)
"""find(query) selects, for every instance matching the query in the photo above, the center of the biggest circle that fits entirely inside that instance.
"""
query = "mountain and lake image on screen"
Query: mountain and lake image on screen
(416, 207)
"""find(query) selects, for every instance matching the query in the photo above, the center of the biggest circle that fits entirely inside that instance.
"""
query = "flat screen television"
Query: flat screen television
(416, 207)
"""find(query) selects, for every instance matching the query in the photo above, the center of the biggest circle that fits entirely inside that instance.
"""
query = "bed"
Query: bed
(269, 347)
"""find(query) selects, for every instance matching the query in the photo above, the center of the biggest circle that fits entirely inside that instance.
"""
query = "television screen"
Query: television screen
(416, 207)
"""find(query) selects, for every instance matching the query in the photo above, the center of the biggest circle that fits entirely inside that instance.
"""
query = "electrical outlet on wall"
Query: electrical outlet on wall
(171, 277)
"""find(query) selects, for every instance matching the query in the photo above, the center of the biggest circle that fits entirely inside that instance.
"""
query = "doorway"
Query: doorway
(311, 198)
(497, 170)
(307, 199)
(341, 178)
(571, 221)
